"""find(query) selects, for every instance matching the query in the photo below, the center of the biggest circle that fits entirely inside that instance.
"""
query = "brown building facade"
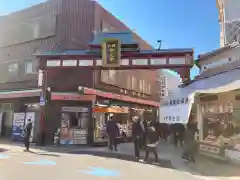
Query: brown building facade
(62, 25)
(59, 25)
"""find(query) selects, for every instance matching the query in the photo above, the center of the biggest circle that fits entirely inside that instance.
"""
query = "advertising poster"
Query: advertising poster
(31, 115)
(18, 126)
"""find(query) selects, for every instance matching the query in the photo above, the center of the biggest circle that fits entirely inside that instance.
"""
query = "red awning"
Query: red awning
(120, 97)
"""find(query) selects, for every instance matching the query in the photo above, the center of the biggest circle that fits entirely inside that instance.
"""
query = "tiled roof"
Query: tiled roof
(213, 53)
(124, 37)
(218, 70)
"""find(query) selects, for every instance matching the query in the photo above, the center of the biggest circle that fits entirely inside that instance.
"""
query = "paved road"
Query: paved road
(29, 166)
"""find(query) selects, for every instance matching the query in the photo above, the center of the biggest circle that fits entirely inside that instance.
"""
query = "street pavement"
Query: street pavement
(29, 166)
(98, 162)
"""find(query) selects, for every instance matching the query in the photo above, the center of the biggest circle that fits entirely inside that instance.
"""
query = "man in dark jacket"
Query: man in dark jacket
(113, 133)
(190, 143)
(137, 132)
(27, 136)
(152, 140)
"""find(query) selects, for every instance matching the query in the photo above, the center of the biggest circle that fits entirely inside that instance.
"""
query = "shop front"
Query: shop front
(215, 101)
(74, 125)
(101, 115)
(15, 108)
(220, 119)
(82, 118)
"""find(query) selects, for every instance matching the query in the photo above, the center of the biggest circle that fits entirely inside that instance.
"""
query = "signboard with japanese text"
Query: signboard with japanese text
(111, 52)
(177, 112)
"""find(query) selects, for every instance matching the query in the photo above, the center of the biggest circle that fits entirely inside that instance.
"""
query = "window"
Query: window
(104, 76)
(29, 67)
(13, 68)
(112, 75)
(141, 85)
(129, 82)
(133, 82)
(144, 86)
(149, 88)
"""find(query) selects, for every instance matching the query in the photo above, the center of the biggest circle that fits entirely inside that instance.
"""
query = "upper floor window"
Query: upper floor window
(149, 88)
(144, 86)
(141, 85)
(13, 68)
(129, 83)
(133, 83)
(29, 68)
(112, 75)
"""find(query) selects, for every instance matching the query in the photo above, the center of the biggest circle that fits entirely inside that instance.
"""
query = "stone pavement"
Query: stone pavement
(204, 165)
(81, 166)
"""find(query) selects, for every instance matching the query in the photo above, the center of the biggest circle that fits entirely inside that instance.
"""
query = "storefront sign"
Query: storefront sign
(18, 126)
(111, 52)
(113, 109)
(74, 109)
(172, 114)
(71, 97)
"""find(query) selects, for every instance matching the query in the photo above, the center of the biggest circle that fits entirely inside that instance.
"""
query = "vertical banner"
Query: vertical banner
(31, 115)
(111, 52)
(17, 126)
(1, 115)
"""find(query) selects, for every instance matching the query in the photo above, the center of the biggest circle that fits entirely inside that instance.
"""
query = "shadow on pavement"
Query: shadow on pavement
(3, 150)
(44, 154)
(162, 163)
(212, 167)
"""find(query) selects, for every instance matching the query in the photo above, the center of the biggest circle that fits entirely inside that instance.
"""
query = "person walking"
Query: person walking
(113, 133)
(152, 140)
(190, 142)
(137, 132)
(143, 137)
(178, 134)
(27, 134)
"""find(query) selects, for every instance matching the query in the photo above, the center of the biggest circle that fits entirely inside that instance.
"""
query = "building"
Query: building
(229, 18)
(168, 81)
(87, 99)
(213, 100)
(58, 25)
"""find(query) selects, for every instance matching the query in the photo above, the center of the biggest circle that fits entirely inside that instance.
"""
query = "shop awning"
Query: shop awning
(183, 98)
(19, 93)
(120, 97)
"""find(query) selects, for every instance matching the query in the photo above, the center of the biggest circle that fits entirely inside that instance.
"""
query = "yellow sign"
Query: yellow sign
(111, 52)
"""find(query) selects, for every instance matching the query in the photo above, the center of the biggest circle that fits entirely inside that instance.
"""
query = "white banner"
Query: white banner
(1, 115)
(172, 114)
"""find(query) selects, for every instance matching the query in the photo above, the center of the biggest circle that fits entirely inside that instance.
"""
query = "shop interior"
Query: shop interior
(74, 125)
(101, 115)
(218, 125)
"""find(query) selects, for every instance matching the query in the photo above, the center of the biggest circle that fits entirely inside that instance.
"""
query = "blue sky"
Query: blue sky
(179, 23)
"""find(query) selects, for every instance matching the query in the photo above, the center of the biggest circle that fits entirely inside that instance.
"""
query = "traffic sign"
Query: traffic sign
(42, 100)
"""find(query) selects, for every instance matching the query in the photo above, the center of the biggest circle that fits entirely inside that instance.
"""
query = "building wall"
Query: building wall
(167, 82)
(222, 62)
(139, 83)
(57, 25)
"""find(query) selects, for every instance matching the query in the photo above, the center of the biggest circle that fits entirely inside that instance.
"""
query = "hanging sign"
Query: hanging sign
(111, 52)
(175, 113)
